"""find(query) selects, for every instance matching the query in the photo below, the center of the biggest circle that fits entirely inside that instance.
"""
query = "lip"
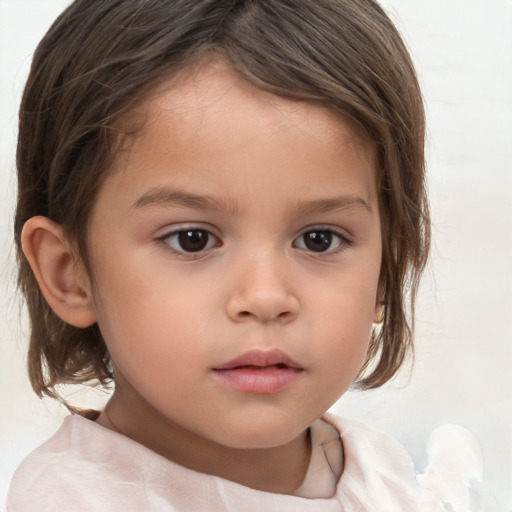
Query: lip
(260, 358)
(259, 371)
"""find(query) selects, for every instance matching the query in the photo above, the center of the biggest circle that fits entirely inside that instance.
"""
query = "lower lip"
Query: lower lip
(263, 380)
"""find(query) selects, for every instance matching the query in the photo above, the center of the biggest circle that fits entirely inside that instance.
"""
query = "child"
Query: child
(222, 209)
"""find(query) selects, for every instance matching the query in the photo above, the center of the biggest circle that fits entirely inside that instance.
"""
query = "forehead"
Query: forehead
(213, 89)
(210, 124)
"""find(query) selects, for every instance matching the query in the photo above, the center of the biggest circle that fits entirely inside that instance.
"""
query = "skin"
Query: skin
(273, 170)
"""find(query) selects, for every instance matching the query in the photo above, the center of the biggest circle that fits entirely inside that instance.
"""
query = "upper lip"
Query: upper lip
(261, 358)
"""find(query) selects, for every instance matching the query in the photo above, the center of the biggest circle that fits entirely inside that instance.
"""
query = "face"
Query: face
(236, 251)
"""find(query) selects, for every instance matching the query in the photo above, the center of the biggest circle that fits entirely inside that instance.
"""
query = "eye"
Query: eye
(321, 240)
(190, 240)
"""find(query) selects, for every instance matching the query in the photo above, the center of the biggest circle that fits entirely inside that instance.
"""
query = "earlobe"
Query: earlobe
(380, 305)
(379, 314)
(57, 271)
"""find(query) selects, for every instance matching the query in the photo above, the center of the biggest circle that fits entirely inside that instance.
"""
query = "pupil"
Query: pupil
(318, 241)
(193, 240)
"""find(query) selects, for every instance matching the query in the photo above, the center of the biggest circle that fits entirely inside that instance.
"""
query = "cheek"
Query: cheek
(346, 342)
(150, 320)
(342, 317)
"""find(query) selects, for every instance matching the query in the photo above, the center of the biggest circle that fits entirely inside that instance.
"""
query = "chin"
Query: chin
(257, 442)
(260, 434)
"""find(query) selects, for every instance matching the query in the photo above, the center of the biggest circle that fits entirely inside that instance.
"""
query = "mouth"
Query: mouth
(259, 371)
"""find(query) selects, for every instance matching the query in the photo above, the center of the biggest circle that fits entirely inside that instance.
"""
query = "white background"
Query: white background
(463, 53)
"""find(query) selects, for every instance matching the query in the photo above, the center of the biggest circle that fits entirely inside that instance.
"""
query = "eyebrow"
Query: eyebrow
(333, 204)
(162, 196)
(168, 197)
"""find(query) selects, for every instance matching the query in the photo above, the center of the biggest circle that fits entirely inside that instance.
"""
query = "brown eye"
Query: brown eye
(320, 240)
(193, 241)
(190, 240)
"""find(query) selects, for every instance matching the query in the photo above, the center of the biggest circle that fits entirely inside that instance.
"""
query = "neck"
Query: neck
(280, 469)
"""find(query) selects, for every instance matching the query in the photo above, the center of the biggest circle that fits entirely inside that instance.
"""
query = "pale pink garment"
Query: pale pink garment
(86, 467)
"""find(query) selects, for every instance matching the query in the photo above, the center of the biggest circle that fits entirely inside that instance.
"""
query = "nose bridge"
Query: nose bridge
(262, 289)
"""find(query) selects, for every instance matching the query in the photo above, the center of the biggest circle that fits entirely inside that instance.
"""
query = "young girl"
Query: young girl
(222, 209)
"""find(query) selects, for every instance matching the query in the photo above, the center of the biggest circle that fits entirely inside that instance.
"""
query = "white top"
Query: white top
(86, 467)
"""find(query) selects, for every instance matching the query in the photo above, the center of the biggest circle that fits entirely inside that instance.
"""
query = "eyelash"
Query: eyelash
(343, 242)
(190, 254)
(213, 241)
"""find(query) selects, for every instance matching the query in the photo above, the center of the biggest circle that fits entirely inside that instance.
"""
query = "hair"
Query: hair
(100, 58)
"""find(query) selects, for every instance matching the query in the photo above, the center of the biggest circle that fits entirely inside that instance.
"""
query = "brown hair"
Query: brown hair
(98, 59)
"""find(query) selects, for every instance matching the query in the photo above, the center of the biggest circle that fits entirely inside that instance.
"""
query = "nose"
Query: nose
(262, 292)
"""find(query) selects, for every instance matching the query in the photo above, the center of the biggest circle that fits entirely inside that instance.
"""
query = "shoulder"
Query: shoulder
(74, 466)
(378, 472)
(379, 468)
(364, 445)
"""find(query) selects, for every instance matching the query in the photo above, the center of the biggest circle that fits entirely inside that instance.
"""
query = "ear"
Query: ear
(379, 314)
(60, 275)
(379, 303)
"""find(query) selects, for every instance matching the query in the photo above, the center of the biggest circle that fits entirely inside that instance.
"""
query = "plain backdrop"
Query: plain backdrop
(462, 374)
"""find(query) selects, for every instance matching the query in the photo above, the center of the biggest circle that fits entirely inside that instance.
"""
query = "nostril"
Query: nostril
(263, 308)
(247, 314)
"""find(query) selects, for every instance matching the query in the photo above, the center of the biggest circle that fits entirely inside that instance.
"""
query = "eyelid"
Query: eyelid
(175, 229)
(345, 239)
(184, 226)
